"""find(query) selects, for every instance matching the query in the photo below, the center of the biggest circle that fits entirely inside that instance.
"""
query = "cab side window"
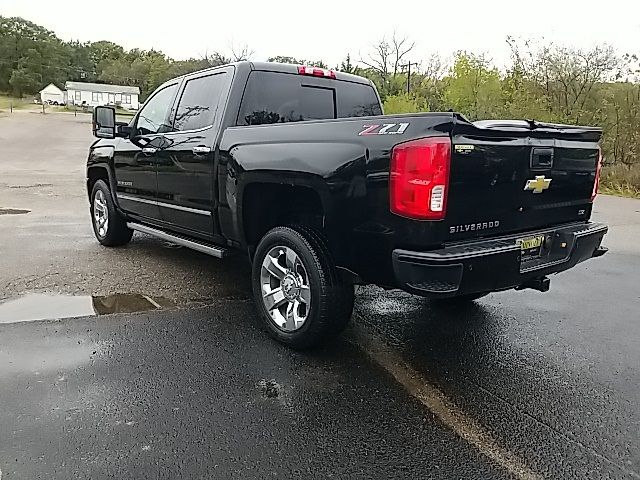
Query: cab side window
(153, 116)
(199, 102)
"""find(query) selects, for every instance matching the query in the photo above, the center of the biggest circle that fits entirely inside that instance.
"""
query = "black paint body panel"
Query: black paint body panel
(349, 173)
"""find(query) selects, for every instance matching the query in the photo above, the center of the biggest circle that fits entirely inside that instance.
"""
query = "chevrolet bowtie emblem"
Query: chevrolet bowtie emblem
(538, 184)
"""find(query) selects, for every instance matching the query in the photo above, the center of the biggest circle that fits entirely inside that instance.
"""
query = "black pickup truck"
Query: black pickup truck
(297, 167)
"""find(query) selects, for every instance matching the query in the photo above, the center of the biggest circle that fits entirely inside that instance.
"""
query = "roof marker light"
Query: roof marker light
(316, 71)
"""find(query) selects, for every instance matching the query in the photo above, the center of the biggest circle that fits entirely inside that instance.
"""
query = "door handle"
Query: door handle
(201, 150)
(149, 150)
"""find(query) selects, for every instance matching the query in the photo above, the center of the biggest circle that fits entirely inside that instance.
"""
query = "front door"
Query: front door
(135, 159)
(185, 165)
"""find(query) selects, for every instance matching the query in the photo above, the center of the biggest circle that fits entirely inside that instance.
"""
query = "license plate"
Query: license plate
(532, 246)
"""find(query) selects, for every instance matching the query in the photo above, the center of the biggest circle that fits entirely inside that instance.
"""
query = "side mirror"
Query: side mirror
(104, 122)
(123, 130)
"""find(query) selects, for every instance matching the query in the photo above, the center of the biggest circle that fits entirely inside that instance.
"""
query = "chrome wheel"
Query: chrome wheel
(100, 213)
(285, 288)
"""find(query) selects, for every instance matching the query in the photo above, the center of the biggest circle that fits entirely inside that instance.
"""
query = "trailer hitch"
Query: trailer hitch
(541, 284)
(598, 252)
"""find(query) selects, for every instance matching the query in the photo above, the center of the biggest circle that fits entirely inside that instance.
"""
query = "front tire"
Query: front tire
(108, 225)
(301, 300)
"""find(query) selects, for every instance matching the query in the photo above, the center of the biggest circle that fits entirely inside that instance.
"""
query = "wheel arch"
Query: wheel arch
(100, 167)
(265, 204)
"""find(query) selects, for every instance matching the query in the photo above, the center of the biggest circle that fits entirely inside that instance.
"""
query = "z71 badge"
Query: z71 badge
(385, 129)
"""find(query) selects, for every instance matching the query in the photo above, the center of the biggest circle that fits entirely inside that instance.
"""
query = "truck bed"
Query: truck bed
(491, 163)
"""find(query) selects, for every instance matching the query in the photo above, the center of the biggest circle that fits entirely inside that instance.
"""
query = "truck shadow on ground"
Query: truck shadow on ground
(197, 276)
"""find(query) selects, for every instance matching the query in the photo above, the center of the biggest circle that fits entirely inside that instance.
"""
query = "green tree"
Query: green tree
(473, 87)
(35, 52)
(347, 67)
(82, 66)
(24, 80)
(297, 61)
(404, 103)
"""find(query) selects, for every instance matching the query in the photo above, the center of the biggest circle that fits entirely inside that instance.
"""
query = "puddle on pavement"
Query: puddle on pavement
(13, 211)
(42, 306)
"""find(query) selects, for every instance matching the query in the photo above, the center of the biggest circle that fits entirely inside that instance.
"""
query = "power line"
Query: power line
(408, 65)
(29, 62)
(66, 69)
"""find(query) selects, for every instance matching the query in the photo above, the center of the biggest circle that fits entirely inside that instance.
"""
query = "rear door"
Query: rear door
(507, 177)
(135, 165)
(185, 164)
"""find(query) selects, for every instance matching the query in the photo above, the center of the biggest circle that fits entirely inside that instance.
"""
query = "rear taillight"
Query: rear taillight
(419, 178)
(316, 71)
(596, 182)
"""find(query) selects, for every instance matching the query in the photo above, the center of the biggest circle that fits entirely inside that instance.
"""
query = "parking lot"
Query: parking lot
(172, 376)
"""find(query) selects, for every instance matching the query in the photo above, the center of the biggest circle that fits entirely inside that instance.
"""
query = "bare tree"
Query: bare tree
(387, 57)
(566, 76)
(216, 59)
(430, 83)
(241, 53)
(379, 59)
(434, 67)
(400, 47)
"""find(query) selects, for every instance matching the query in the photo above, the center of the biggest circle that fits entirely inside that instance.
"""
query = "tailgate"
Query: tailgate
(512, 176)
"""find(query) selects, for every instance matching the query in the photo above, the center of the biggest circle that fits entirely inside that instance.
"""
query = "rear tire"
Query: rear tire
(301, 300)
(109, 226)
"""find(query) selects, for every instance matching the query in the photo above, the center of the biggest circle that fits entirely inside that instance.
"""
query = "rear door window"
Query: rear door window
(198, 103)
(272, 97)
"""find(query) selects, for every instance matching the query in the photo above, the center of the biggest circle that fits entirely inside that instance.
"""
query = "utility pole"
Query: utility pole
(408, 67)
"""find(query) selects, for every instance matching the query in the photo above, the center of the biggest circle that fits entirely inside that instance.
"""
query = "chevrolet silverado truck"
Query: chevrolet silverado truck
(298, 168)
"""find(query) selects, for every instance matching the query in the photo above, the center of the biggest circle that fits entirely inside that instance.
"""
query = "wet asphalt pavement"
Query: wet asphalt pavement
(196, 390)
(202, 393)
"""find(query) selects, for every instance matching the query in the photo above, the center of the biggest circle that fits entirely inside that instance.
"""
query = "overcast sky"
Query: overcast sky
(328, 29)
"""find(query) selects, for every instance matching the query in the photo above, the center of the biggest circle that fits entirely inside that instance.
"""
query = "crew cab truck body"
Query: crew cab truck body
(296, 167)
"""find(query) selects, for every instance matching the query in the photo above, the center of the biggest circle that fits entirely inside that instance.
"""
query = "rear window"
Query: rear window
(357, 100)
(272, 97)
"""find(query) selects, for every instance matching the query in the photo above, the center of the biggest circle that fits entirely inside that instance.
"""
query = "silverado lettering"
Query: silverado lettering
(474, 226)
(277, 162)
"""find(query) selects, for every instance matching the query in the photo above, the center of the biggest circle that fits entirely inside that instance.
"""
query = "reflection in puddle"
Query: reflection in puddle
(13, 211)
(43, 354)
(40, 306)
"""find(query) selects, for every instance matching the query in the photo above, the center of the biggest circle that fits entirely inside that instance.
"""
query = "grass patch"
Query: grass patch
(7, 101)
(621, 180)
(620, 190)
(66, 108)
(81, 109)
(124, 115)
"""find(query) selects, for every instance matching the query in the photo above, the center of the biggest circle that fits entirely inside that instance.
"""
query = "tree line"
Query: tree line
(545, 82)
(31, 57)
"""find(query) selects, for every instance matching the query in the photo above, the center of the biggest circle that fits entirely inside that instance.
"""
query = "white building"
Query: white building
(51, 94)
(94, 94)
